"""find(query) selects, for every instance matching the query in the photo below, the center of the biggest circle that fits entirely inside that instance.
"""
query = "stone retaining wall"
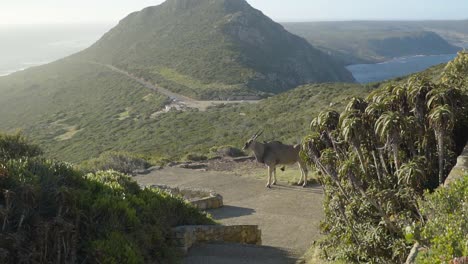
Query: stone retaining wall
(201, 199)
(187, 236)
(460, 169)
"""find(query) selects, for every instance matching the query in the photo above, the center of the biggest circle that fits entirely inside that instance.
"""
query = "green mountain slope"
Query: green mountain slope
(213, 49)
(65, 100)
(94, 110)
(76, 111)
(374, 41)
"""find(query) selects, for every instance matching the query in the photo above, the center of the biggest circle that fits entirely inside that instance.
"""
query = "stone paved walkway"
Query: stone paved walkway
(288, 216)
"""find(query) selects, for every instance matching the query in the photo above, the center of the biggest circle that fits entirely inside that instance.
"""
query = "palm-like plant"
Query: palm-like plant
(406, 126)
(441, 119)
(327, 122)
(352, 130)
(412, 173)
(356, 104)
(441, 95)
(388, 128)
(418, 88)
(455, 72)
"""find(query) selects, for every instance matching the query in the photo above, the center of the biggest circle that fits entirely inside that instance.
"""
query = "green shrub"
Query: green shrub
(52, 213)
(446, 232)
(195, 157)
(119, 161)
(14, 146)
(227, 151)
(116, 249)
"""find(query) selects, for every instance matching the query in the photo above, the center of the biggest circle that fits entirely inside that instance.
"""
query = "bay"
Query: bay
(398, 67)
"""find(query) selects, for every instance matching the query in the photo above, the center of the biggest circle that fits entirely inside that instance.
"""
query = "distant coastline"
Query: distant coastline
(25, 46)
(396, 67)
(24, 66)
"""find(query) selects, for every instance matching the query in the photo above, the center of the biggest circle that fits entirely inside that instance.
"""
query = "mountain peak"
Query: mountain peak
(212, 49)
(229, 5)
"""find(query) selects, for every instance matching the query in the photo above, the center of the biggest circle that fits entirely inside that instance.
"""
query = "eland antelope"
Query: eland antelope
(275, 153)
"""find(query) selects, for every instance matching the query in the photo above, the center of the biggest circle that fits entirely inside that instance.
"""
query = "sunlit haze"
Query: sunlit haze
(107, 11)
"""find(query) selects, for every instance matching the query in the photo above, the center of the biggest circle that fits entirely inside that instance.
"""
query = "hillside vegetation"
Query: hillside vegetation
(110, 119)
(52, 213)
(117, 114)
(59, 102)
(213, 49)
(375, 41)
(379, 156)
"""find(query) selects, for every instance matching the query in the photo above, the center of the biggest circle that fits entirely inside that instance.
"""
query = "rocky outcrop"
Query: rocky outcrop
(460, 168)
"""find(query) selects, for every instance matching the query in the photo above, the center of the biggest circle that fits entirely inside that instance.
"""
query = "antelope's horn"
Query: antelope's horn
(259, 133)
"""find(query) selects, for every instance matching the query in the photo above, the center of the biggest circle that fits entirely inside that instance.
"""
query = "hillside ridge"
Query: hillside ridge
(213, 49)
(357, 42)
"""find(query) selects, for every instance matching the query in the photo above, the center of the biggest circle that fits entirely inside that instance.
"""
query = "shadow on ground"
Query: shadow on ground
(228, 211)
(315, 188)
(235, 254)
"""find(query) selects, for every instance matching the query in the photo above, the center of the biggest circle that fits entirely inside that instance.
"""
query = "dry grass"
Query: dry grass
(71, 131)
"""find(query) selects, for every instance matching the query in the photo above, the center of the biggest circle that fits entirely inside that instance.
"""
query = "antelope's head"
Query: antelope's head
(252, 139)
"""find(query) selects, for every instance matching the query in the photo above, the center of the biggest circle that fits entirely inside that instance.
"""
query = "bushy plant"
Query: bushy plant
(227, 151)
(445, 234)
(14, 146)
(123, 162)
(195, 157)
(52, 213)
(378, 156)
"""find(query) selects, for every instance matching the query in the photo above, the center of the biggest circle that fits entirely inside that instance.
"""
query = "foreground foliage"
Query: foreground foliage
(52, 213)
(379, 155)
(445, 234)
(123, 162)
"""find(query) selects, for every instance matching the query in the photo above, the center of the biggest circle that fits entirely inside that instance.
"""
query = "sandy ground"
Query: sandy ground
(288, 216)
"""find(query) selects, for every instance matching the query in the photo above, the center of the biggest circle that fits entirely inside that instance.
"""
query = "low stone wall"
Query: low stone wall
(201, 199)
(187, 236)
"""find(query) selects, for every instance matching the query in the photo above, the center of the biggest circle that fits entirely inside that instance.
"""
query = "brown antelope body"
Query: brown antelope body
(275, 153)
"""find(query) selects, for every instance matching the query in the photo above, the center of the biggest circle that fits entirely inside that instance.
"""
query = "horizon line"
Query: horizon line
(278, 21)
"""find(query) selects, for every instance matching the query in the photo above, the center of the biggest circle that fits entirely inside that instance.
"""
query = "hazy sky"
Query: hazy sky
(110, 11)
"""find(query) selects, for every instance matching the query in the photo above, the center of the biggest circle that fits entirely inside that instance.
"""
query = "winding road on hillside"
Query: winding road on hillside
(179, 100)
(288, 216)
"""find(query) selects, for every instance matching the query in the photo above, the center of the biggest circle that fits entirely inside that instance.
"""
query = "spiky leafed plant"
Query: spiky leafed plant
(352, 128)
(441, 120)
(412, 173)
(370, 203)
(327, 122)
(388, 127)
(418, 88)
(455, 72)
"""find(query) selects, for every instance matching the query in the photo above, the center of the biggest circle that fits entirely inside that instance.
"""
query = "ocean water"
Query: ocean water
(398, 67)
(24, 46)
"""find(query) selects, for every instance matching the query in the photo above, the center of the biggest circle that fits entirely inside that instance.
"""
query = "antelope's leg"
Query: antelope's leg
(302, 174)
(304, 169)
(269, 177)
(274, 175)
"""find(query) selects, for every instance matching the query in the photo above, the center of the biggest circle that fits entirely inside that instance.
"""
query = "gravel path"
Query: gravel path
(178, 99)
(288, 216)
